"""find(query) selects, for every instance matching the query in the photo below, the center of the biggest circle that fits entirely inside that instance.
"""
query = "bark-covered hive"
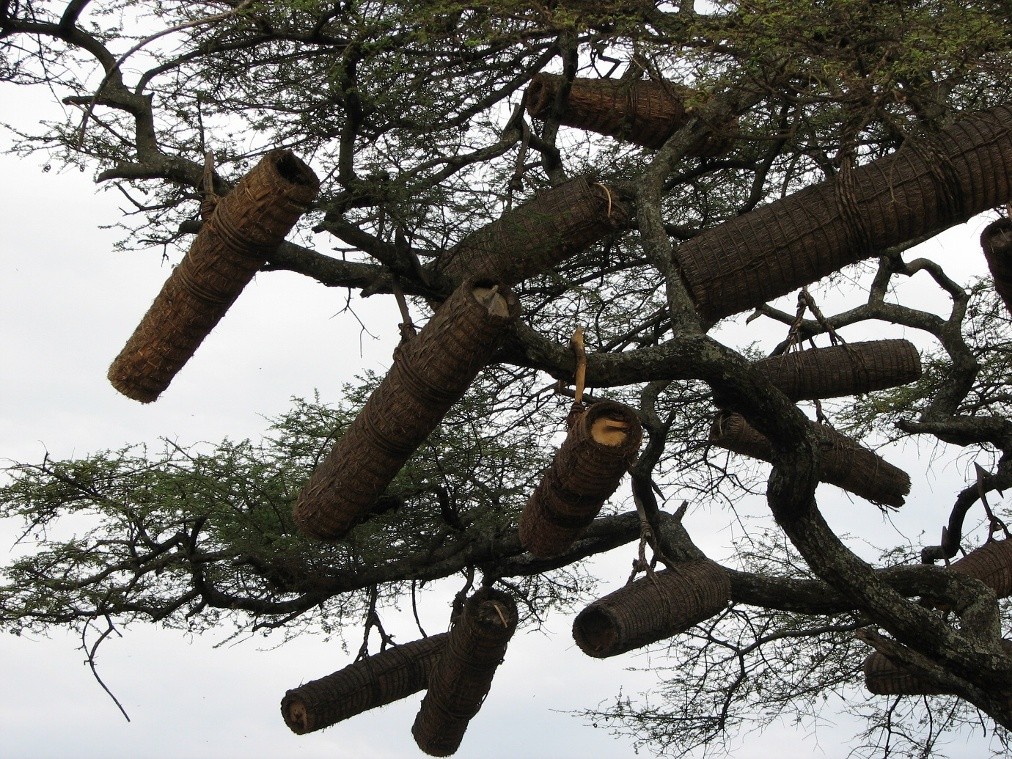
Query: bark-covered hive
(991, 563)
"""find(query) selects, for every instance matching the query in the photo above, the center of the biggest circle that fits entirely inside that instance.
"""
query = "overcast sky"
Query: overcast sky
(68, 302)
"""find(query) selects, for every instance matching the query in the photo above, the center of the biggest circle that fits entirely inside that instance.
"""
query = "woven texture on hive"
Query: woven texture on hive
(643, 112)
(923, 188)
(842, 370)
(537, 235)
(602, 442)
(991, 564)
(845, 463)
(375, 681)
(429, 374)
(885, 678)
(246, 226)
(996, 242)
(462, 676)
(652, 609)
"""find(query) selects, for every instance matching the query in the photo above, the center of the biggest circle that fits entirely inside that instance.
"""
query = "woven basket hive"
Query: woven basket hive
(925, 187)
(843, 369)
(246, 226)
(996, 242)
(991, 564)
(538, 235)
(652, 609)
(643, 112)
(375, 681)
(883, 677)
(462, 676)
(603, 440)
(430, 373)
(845, 463)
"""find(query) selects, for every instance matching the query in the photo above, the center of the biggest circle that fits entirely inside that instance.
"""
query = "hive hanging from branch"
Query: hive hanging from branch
(996, 242)
(462, 676)
(430, 373)
(374, 681)
(845, 463)
(841, 370)
(652, 608)
(247, 225)
(991, 563)
(643, 112)
(883, 677)
(928, 185)
(603, 440)
(537, 235)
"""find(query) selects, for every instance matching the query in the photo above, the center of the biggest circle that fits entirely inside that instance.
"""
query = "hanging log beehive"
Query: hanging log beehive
(845, 463)
(462, 676)
(643, 112)
(991, 563)
(537, 235)
(603, 440)
(247, 225)
(883, 677)
(842, 370)
(652, 609)
(430, 373)
(931, 183)
(374, 681)
(996, 242)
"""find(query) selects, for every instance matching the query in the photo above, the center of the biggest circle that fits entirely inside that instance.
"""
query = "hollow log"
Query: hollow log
(991, 563)
(247, 225)
(883, 677)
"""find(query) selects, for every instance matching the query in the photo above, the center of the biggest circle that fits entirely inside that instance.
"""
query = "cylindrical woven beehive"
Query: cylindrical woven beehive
(430, 373)
(462, 677)
(376, 681)
(602, 442)
(991, 564)
(843, 369)
(652, 609)
(643, 112)
(246, 226)
(925, 187)
(538, 235)
(845, 463)
(996, 242)
(883, 677)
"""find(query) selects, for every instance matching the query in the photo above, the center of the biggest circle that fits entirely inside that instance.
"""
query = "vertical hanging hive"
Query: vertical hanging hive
(538, 235)
(247, 225)
(996, 242)
(462, 677)
(643, 112)
(991, 564)
(883, 677)
(928, 185)
(652, 609)
(842, 370)
(845, 463)
(375, 681)
(602, 442)
(431, 372)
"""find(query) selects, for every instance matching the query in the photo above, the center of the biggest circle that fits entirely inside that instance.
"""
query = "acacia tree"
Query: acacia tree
(810, 137)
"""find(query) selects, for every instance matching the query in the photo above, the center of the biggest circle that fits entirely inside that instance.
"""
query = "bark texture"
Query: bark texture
(996, 242)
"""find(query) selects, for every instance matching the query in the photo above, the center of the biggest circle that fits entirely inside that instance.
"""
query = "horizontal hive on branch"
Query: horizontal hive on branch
(991, 564)
(603, 440)
(928, 185)
(247, 225)
(537, 235)
(374, 681)
(431, 372)
(842, 370)
(462, 676)
(883, 677)
(643, 112)
(996, 242)
(652, 609)
(845, 463)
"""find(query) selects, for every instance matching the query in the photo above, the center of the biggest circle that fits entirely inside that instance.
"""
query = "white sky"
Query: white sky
(67, 304)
